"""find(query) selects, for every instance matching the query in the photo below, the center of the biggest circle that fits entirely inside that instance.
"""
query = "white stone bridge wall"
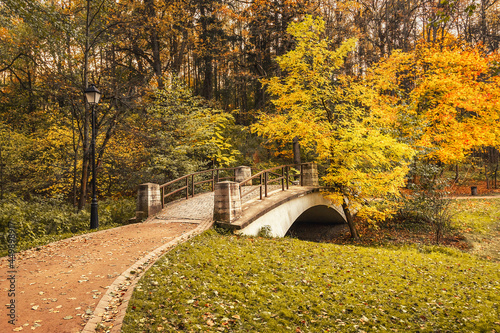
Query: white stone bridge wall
(281, 218)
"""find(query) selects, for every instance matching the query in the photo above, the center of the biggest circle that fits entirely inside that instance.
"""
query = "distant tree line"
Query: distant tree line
(210, 56)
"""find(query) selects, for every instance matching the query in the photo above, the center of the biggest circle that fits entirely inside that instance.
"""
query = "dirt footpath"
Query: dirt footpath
(59, 285)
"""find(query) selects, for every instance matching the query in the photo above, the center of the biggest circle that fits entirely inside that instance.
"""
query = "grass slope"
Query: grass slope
(227, 283)
(479, 216)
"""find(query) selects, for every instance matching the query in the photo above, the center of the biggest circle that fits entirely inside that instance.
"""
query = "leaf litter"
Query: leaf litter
(313, 287)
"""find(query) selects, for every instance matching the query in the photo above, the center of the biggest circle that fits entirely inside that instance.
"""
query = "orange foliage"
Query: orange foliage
(447, 98)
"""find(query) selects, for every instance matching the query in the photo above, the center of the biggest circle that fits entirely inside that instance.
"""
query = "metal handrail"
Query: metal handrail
(264, 180)
(190, 183)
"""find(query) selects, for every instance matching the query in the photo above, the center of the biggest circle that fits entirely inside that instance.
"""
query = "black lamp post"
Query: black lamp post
(93, 95)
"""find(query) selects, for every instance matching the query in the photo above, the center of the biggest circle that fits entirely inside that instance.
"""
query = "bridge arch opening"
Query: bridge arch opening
(318, 223)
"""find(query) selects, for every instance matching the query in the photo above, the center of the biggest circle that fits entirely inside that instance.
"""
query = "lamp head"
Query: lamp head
(92, 94)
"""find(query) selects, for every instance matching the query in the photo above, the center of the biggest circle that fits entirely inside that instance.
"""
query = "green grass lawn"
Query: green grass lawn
(216, 283)
(479, 216)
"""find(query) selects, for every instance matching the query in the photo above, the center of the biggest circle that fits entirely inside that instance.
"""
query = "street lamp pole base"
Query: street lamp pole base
(94, 218)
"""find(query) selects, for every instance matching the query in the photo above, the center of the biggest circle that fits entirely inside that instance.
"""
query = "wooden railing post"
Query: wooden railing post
(286, 175)
(301, 176)
(283, 178)
(192, 186)
(260, 186)
(213, 180)
(265, 183)
(187, 187)
(162, 198)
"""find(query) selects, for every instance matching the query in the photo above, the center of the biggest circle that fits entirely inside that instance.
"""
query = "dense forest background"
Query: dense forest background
(182, 80)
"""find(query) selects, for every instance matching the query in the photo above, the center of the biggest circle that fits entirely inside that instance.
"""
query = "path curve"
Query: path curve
(75, 284)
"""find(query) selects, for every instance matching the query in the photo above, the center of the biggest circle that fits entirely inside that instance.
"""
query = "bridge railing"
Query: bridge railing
(194, 183)
(229, 196)
(283, 175)
(151, 198)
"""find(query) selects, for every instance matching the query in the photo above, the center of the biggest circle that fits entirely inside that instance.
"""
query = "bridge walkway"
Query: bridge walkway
(201, 207)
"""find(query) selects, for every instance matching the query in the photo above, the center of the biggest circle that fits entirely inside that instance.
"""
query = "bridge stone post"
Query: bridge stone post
(241, 173)
(227, 201)
(310, 175)
(148, 200)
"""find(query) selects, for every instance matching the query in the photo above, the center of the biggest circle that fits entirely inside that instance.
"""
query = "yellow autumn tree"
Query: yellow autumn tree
(330, 114)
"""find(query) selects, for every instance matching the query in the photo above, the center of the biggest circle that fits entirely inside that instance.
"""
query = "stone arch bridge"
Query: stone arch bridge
(271, 200)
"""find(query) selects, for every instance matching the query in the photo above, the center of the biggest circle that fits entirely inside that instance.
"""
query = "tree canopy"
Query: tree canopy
(447, 98)
(330, 114)
(181, 79)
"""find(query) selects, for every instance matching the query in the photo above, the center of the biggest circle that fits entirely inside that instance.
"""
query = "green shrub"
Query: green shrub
(36, 219)
(428, 203)
(265, 231)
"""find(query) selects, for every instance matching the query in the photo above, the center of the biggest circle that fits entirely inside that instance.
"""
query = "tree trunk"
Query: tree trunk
(438, 234)
(350, 221)
(154, 43)
(495, 174)
(296, 151)
(486, 176)
(75, 163)
(85, 134)
(208, 78)
(1, 173)
(207, 58)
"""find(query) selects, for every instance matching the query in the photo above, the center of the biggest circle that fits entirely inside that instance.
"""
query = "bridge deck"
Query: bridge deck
(196, 209)
(201, 207)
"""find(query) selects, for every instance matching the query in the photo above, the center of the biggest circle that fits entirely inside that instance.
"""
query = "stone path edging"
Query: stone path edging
(113, 305)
